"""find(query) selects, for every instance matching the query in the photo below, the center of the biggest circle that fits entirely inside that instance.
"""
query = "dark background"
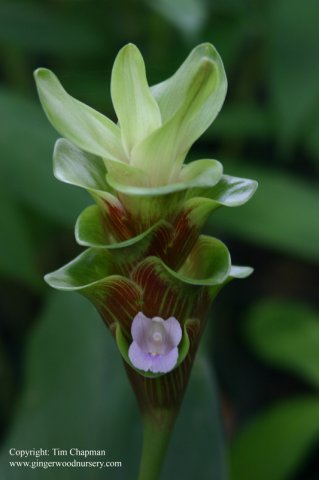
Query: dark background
(263, 338)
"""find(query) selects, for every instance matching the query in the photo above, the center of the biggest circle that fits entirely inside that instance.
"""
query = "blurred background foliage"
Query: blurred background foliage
(61, 382)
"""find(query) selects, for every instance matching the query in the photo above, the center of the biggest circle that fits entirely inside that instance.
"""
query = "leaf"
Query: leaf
(286, 334)
(84, 126)
(238, 271)
(97, 274)
(294, 70)
(187, 15)
(136, 109)
(91, 231)
(242, 121)
(86, 270)
(189, 102)
(26, 142)
(201, 173)
(195, 176)
(162, 153)
(148, 203)
(171, 94)
(228, 192)
(72, 165)
(90, 228)
(42, 29)
(276, 442)
(199, 427)
(232, 191)
(76, 395)
(208, 263)
(281, 215)
(17, 253)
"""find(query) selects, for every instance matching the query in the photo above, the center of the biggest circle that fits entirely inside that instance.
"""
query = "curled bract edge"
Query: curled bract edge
(145, 254)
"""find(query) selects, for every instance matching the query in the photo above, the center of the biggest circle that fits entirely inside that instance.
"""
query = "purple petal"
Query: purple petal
(140, 328)
(164, 363)
(139, 359)
(173, 330)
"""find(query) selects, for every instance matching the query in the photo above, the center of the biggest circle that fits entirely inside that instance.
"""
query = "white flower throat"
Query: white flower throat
(156, 343)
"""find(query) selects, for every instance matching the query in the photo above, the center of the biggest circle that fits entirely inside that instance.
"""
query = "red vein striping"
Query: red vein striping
(118, 221)
(118, 301)
(185, 237)
(161, 297)
(160, 241)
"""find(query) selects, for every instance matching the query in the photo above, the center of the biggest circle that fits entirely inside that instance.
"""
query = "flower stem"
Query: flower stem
(156, 436)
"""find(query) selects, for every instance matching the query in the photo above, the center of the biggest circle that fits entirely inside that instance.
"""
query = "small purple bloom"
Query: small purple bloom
(155, 341)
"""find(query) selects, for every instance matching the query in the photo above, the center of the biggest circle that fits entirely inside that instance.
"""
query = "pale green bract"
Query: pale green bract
(156, 126)
(147, 268)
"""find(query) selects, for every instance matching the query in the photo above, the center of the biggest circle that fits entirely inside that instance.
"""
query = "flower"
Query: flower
(156, 125)
(144, 248)
(155, 342)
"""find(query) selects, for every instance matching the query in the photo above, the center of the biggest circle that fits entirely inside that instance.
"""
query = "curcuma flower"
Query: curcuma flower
(155, 342)
(146, 267)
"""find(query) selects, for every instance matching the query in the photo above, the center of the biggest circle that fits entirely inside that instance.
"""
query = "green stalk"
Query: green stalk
(156, 436)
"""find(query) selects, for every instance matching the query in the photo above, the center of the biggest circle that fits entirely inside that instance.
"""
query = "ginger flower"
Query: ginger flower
(155, 342)
(144, 251)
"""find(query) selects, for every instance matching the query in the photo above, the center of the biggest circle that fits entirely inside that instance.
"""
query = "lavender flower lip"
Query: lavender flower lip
(155, 342)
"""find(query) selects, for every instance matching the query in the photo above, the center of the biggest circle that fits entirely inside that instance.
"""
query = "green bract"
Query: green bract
(145, 251)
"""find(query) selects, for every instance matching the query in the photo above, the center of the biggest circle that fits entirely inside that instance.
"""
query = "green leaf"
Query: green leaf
(238, 271)
(149, 203)
(86, 270)
(96, 275)
(243, 121)
(91, 231)
(72, 165)
(17, 254)
(167, 292)
(162, 153)
(126, 175)
(280, 216)
(28, 173)
(199, 175)
(63, 404)
(201, 85)
(90, 228)
(187, 15)
(228, 192)
(199, 428)
(275, 443)
(286, 334)
(136, 109)
(93, 267)
(208, 263)
(42, 28)
(84, 126)
(232, 191)
(172, 93)
(294, 74)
